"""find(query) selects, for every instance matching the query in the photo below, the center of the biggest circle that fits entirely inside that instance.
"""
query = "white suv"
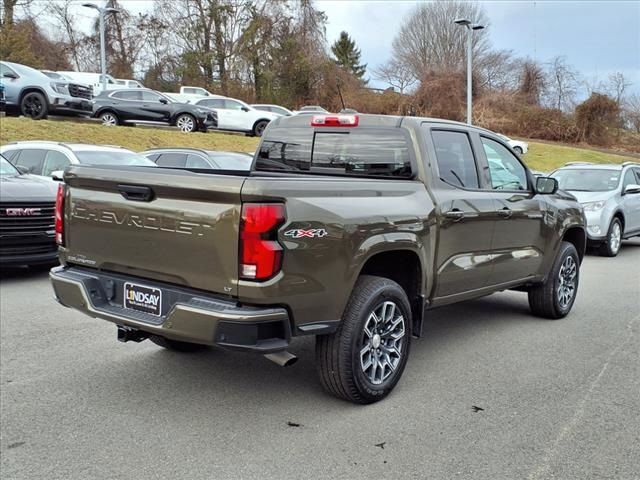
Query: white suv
(235, 115)
(49, 159)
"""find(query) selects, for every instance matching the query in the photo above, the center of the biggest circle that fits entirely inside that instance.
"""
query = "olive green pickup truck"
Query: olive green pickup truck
(348, 227)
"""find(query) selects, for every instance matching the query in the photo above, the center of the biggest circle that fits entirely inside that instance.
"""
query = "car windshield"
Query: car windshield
(6, 168)
(587, 180)
(231, 160)
(89, 157)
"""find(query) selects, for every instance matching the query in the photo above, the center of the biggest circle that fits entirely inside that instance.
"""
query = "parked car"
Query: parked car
(137, 105)
(49, 159)
(189, 94)
(235, 115)
(197, 158)
(273, 109)
(518, 146)
(347, 228)
(123, 82)
(94, 80)
(26, 218)
(310, 109)
(35, 95)
(610, 195)
(3, 101)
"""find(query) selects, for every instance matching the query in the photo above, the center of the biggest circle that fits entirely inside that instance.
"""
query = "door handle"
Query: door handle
(136, 193)
(505, 212)
(455, 214)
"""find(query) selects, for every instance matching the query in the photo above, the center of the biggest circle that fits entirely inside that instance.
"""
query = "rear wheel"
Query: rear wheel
(364, 359)
(109, 119)
(186, 123)
(258, 128)
(175, 345)
(555, 297)
(611, 245)
(34, 105)
(518, 150)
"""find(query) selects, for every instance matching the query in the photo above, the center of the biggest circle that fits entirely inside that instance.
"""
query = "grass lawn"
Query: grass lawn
(541, 156)
(134, 138)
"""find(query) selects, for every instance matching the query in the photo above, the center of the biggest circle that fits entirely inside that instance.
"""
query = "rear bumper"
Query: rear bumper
(186, 315)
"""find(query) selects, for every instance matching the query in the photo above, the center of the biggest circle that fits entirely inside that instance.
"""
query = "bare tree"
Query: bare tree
(61, 13)
(430, 41)
(532, 82)
(397, 74)
(631, 112)
(616, 86)
(9, 7)
(561, 83)
(497, 71)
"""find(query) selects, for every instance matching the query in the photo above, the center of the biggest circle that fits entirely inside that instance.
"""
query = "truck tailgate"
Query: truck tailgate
(168, 225)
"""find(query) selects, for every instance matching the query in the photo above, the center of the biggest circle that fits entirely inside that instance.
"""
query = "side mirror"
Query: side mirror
(58, 175)
(245, 109)
(631, 189)
(22, 169)
(164, 101)
(546, 185)
(10, 75)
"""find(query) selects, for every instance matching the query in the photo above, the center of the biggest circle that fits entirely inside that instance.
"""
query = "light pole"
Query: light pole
(463, 22)
(103, 54)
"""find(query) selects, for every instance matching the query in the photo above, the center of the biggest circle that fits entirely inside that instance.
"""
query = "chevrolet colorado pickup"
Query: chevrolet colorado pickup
(347, 227)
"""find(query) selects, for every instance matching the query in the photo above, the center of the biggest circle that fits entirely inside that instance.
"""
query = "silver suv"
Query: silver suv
(36, 95)
(610, 195)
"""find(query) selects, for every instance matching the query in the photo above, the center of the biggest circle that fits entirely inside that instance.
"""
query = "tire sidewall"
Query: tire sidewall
(388, 292)
(255, 128)
(109, 113)
(193, 119)
(42, 99)
(611, 252)
(566, 250)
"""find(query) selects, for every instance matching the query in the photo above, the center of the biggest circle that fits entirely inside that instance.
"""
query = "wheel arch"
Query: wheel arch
(27, 90)
(619, 214)
(258, 121)
(404, 267)
(577, 236)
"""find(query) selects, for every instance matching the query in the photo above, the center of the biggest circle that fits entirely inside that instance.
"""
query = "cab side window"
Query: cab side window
(507, 173)
(456, 163)
(54, 161)
(175, 160)
(194, 161)
(31, 159)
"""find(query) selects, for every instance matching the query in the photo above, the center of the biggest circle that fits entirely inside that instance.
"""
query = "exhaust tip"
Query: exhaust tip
(284, 358)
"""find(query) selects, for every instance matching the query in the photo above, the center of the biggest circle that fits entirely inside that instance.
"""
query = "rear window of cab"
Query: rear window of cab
(368, 152)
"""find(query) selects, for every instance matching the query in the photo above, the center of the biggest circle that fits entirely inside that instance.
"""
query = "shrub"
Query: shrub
(596, 117)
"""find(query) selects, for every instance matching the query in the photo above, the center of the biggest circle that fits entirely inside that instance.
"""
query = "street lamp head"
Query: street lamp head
(91, 5)
(477, 27)
(463, 22)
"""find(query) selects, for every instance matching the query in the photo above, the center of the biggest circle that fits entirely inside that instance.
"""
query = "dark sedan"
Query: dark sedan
(141, 105)
(196, 158)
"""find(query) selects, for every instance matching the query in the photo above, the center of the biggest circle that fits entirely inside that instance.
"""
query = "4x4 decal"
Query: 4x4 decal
(302, 233)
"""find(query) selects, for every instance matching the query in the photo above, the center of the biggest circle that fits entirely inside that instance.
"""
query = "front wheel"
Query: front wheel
(34, 105)
(364, 359)
(258, 128)
(186, 123)
(612, 243)
(518, 150)
(554, 298)
(109, 119)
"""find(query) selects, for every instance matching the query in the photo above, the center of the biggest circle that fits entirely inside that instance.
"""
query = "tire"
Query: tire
(34, 105)
(109, 119)
(555, 297)
(175, 345)
(344, 359)
(518, 150)
(186, 123)
(611, 245)
(258, 128)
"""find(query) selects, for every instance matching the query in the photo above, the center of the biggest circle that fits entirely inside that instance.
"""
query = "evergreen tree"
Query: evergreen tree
(347, 55)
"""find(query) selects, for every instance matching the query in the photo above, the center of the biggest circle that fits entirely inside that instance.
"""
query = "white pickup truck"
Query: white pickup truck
(190, 94)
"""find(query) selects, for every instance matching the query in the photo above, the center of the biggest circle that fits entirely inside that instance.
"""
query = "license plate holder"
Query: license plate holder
(143, 298)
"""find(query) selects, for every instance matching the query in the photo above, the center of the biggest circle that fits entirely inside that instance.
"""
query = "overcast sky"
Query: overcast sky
(597, 37)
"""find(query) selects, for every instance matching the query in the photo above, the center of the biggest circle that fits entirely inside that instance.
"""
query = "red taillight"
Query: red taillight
(334, 121)
(60, 215)
(260, 253)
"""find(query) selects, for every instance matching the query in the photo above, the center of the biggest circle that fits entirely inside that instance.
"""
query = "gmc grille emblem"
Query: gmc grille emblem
(22, 212)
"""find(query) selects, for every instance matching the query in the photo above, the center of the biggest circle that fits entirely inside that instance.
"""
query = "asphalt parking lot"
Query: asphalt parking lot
(556, 399)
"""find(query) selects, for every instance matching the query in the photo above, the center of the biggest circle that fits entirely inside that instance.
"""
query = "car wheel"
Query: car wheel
(176, 345)
(364, 359)
(612, 243)
(258, 128)
(186, 123)
(34, 105)
(109, 119)
(554, 298)
(518, 150)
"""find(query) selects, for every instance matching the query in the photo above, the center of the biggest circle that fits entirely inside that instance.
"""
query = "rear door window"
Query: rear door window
(363, 152)
(194, 161)
(131, 95)
(176, 160)
(31, 159)
(456, 163)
